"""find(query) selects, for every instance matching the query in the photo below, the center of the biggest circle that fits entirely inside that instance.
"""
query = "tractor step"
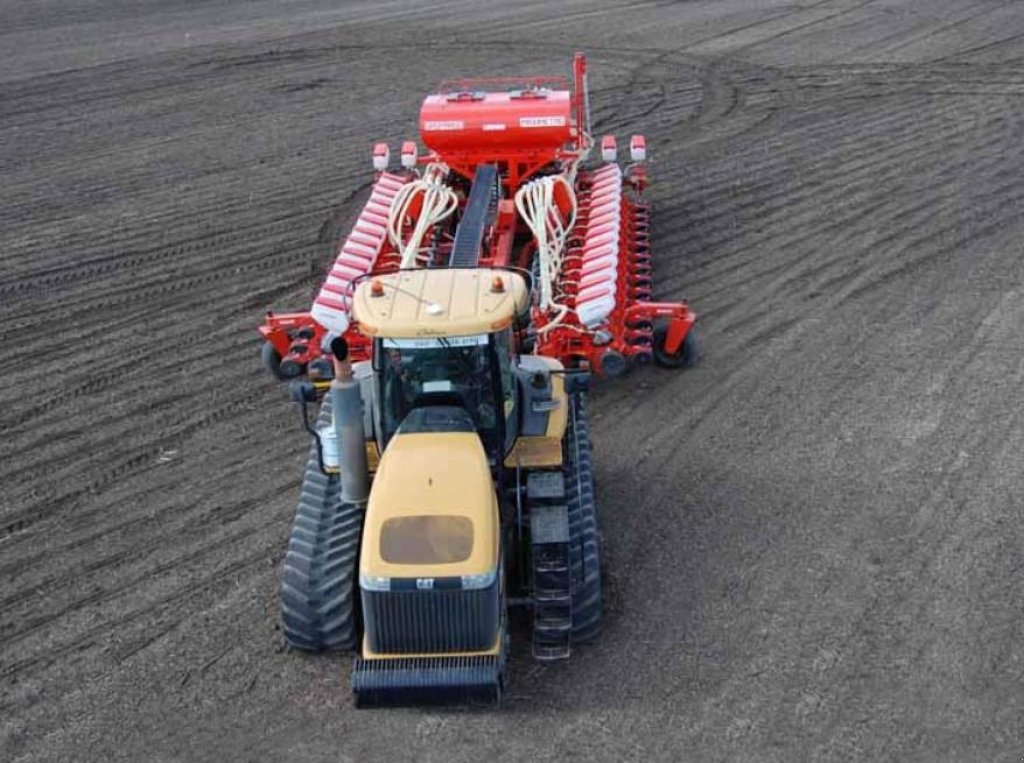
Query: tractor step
(545, 487)
(550, 653)
(552, 581)
(549, 525)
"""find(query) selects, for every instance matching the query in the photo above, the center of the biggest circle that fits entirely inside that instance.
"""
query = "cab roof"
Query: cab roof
(438, 302)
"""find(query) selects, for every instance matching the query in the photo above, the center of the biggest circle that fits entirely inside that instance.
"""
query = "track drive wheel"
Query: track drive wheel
(318, 586)
(584, 536)
(687, 356)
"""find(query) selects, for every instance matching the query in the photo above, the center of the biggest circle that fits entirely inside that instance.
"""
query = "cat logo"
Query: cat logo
(425, 584)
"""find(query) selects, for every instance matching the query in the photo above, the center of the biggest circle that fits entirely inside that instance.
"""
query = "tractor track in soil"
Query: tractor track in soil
(813, 540)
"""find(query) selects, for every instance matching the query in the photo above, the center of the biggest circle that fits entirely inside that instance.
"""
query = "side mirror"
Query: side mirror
(303, 392)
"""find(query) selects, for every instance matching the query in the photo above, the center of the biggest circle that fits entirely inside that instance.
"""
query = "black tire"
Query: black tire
(318, 578)
(584, 535)
(687, 356)
(272, 362)
(271, 359)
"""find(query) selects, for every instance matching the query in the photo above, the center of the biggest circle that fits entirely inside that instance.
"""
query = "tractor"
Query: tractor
(450, 350)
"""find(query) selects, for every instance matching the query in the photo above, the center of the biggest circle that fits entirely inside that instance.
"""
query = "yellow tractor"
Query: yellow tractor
(449, 481)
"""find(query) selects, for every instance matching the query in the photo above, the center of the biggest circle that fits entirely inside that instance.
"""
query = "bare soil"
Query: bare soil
(814, 541)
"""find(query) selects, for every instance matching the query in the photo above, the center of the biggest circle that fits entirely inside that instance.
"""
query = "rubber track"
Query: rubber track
(318, 576)
(584, 536)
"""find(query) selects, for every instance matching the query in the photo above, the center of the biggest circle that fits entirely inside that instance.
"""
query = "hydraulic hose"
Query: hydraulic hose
(439, 201)
(535, 202)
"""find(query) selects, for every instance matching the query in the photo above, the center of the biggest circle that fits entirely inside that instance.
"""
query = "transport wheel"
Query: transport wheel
(282, 371)
(585, 540)
(271, 359)
(686, 356)
(318, 588)
(289, 369)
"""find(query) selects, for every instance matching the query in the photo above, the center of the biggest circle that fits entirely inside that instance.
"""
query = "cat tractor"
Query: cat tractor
(450, 351)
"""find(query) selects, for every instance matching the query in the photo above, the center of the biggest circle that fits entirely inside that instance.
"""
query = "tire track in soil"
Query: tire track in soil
(912, 39)
(885, 605)
(143, 455)
(93, 383)
(83, 585)
(156, 260)
(854, 287)
(88, 637)
(723, 204)
(879, 216)
(863, 276)
(11, 633)
(10, 571)
(805, 204)
(165, 289)
(856, 83)
(73, 275)
(778, 165)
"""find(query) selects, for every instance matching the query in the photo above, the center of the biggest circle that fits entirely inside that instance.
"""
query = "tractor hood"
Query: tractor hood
(432, 511)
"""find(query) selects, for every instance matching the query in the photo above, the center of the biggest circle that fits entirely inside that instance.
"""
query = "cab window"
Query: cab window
(509, 401)
(437, 371)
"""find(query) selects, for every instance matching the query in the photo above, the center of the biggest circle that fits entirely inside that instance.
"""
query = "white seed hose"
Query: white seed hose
(536, 204)
(439, 201)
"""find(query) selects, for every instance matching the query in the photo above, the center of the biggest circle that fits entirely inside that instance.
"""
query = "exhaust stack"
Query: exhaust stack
(347, 409)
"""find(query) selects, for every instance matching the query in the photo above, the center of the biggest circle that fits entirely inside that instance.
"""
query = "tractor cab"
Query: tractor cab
(450, 477)
(473, 373)
(443, 338)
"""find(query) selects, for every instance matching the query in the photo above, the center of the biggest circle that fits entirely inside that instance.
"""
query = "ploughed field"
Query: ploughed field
(813, 542)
